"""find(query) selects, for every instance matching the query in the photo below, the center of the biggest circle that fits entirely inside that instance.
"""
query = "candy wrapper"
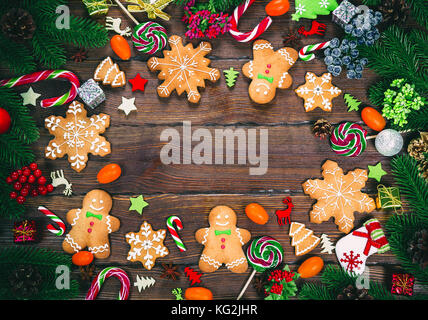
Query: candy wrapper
(24, 231)
(388, 197)
(402, 284)
(343, 14)
(97, 7)
(91, 93)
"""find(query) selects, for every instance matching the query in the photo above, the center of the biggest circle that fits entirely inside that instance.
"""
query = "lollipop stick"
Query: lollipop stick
(126, 11)
(246, 285)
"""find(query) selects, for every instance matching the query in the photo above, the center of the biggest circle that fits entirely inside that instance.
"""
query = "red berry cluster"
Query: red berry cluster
(28, 181)
(279, 275)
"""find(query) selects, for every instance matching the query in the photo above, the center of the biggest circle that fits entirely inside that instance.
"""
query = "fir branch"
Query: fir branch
(416, 121)
(84, 33)
(16, 57)
(23, 126)
(419, 9)
(412, 185)
(376, 92)
(335, 278)
(14, 152)
(400, 231)
(48, 51)
(312, 291)
(372, 2)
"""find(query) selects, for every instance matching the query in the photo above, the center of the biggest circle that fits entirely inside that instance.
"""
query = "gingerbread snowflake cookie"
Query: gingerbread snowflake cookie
(146, 245)
(338, 196)
(184, 68)
(318, 91)
(77, 135)
(268, 70)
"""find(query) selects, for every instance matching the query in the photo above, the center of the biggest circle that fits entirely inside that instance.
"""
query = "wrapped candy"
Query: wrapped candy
(402, 284)
(343, 14)
(91, 93)
(97, 7)
(388, 197)
(24, 231)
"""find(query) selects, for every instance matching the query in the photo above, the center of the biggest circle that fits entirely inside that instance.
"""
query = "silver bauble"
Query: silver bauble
(389, 142)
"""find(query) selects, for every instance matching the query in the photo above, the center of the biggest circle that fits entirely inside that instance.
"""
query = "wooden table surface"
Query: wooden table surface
(188, 190)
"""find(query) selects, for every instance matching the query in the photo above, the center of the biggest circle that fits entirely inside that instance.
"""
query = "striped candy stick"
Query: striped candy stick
(306, 53)
(172, 230)
(45, 75)
(108, 272)
(250, 35)
(54, 218)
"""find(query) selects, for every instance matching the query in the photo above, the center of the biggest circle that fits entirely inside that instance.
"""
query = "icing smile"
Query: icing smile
(96, 209)
(222, 224)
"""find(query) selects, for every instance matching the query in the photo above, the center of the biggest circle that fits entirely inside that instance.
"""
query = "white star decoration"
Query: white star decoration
(30, 97)
(127, 105)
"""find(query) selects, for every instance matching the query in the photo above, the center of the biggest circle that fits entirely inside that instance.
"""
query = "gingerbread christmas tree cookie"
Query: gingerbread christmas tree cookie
(146, 245)
(77, 135)
(338, 196)
(303, 239)
(318, 91)
(184, 68)
(110, 74)
(268, 70)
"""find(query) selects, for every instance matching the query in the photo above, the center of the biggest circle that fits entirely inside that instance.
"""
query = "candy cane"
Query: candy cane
(306, 52)
(108, 272)
(250, 35)
(55, 219)
(170, 224)
(44, 75)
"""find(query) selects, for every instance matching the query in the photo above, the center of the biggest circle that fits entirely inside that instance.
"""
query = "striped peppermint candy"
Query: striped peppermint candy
(54, 218)
(348, 139)
(107, 273)
(172, 230)
(149, 37)
(45, 75)
(306, 53)
(250, 35)
(264, 252)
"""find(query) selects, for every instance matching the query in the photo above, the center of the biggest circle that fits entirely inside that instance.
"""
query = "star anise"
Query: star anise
(259, 284)
(170, 271)
(80, 55)
(86, 272)
(292, 38)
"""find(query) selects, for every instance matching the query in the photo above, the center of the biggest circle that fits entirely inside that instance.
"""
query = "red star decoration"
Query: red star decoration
(138, 83)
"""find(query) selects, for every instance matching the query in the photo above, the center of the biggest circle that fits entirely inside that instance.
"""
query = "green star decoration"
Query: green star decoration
(138, 204)
(376, 172)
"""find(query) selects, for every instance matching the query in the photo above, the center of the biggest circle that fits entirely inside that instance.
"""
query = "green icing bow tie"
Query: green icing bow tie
(96, 216)
(261, 76)
(217, 232)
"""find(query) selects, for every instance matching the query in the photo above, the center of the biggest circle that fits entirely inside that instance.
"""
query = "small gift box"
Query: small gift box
(24, 231)
(97, 7)
(343, 14)
(91, 93)
(402, 284)
(388, 197)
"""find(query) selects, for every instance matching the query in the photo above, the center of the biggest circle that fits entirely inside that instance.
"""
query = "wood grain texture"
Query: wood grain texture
(190, 190)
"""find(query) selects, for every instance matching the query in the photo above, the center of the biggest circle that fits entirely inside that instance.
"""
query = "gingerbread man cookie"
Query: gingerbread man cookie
(91, 225)
(268, 70)
(223, 242)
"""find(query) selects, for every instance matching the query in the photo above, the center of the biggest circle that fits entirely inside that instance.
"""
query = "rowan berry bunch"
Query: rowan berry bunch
(26, 181)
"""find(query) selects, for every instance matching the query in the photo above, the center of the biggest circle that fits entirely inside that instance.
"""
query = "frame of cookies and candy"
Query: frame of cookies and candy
(91, 118)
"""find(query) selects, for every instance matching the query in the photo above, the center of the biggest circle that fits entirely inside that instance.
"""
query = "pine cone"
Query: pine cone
(25, 281)
(18, 25)
(423, 168)
(352, 293)
(322, 129)
(418, 248)
(417, 148)
(394, 11)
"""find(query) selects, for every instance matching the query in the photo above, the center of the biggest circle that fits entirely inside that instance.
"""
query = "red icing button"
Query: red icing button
(269, 66)
(91, 223)
(89, 230)
(223, 246)
(223, 239)
(267, 71)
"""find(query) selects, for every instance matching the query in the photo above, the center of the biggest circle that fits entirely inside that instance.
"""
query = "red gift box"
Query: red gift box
(402, 284)
(24, 231)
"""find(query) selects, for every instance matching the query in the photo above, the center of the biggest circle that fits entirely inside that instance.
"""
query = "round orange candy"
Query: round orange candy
(373, 119)
(256, 213)
(310, 267)
(198, 293)
(277, 7)
(121, 47)
(82, 258)
(109, 173)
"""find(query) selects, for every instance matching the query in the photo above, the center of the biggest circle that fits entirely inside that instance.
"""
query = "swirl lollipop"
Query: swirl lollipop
(148, 37)
(348, 139)
(264, 253)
